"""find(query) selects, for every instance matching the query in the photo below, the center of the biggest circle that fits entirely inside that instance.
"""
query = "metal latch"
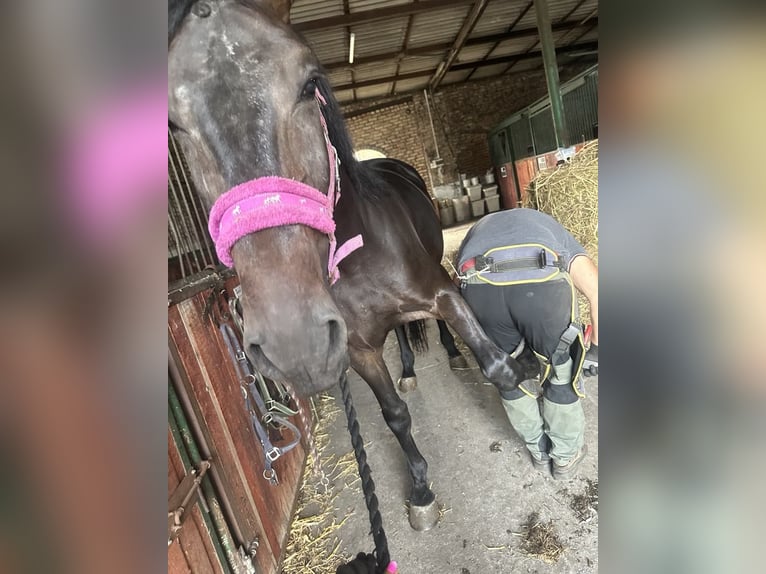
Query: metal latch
(182, 495)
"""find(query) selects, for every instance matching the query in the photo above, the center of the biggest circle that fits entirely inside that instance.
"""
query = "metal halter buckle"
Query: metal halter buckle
(273, 454)
(271, 475)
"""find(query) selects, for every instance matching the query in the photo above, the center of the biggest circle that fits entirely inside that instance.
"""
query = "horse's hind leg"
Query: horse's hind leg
(424, 511)
(501, 370)
(456, 359)
(408, 381)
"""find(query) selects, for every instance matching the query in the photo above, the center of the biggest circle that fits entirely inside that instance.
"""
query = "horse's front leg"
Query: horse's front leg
(424, 512)
(499, 368)
(408, 381)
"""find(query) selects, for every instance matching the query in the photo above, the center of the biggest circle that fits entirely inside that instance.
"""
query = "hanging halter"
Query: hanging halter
(275, 201)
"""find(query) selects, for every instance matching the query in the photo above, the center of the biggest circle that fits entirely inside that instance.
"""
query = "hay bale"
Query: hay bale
(569, 193)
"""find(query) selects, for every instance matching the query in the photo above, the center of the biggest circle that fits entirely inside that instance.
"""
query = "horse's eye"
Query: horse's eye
(309, 90)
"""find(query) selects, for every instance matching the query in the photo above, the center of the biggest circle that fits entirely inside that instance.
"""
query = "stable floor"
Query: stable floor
(480, 472)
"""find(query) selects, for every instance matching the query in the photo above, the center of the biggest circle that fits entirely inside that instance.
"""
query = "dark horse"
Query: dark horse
(242, 103)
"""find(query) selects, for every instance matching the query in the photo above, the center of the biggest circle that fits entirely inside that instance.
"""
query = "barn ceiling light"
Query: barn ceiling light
(351, 48)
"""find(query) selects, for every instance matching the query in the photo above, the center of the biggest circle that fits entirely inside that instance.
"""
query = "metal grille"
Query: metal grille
(190, 249)
(531, 129)
(581, 105)
(521, 136)
(543, 131)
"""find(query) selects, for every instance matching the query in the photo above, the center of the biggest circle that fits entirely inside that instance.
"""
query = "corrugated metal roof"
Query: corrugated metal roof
(371, 71)
(361, 5)
(329, 45)
(455, 77)
(439, 26)
(436, 27)
(344, 95)
(411, 84)
(584, 10)
(419, 63)
(497, 17)
(509, 47)
(473, 53)
(373, 91)
(488, 71)
(305, 10)
(339, 77)
(379, 37)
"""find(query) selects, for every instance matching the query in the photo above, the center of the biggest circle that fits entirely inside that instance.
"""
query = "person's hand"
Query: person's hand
(362, 564)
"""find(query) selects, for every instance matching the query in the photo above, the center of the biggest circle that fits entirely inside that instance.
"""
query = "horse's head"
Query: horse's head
(242, 103)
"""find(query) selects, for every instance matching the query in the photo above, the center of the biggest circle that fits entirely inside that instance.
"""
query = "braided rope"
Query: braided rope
(368, 485)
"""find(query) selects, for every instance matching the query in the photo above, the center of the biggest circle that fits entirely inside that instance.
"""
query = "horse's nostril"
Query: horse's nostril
(336, 334)
(253, 351)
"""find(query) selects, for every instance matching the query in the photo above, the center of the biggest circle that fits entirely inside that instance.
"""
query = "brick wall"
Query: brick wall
(393, 131)
(463, 115)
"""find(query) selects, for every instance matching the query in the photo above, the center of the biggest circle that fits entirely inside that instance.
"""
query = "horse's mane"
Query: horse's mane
(363, 179)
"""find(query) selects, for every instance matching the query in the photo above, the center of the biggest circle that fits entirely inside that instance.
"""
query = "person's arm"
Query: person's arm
(584, 275)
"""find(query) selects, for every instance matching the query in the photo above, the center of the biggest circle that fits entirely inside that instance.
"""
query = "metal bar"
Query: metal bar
(190, 286)
(463, 66)
(174, 233)
(183, 226)
(381, 106)
(376, 14)
(178, 195)
(184, 248)
(176, 431)
(431, 121)
(405, 42)
(465, 30)
(191, 229)
(201, 220)
(196, 427)
(384, 80)
(232, 560)
(552, 73)
(431, 49)
(525, 56)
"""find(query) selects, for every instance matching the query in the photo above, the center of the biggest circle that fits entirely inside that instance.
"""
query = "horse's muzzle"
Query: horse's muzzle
(312, 355)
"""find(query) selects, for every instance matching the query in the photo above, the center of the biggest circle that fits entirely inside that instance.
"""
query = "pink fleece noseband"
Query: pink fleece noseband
(275, 201)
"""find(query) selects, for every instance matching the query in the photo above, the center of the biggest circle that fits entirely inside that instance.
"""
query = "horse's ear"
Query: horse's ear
(280, 8)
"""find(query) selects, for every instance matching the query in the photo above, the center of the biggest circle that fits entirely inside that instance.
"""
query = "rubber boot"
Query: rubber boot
(523, 413)
(564, 421)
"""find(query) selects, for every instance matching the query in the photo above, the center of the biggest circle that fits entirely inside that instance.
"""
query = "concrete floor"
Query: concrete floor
(486, 495)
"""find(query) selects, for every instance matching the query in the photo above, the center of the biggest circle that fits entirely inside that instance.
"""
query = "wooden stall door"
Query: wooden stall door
(261, 510)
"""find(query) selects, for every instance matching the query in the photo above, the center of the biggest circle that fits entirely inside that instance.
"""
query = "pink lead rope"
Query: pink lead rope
(275, 201)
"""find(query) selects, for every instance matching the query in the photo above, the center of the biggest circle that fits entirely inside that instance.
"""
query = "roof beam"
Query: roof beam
(466, 66)
(465, 30)
(525, 56)
(518, 18)
(421, 50)
(376, 14)
(384, 80)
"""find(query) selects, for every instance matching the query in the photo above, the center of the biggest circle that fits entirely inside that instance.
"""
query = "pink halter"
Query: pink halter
(275, 201)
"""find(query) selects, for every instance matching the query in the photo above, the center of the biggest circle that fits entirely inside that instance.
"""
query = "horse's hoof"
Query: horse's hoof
(408, 384)
(424, 517)
(458, 362)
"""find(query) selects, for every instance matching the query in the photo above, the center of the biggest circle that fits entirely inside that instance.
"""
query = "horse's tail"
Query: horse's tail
(418, 336)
